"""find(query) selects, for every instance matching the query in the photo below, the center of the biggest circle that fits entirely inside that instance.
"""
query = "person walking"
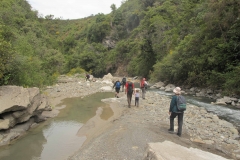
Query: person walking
(143, 85)
(174, 112)
(117, 86)
(87, 77)
(124, 80)
(129, 90)
(137, 98)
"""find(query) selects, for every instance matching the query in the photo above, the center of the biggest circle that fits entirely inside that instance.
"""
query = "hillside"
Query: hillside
(185, 42)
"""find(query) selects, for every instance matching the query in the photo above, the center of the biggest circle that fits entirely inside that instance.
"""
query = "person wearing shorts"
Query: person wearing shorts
(117, 86)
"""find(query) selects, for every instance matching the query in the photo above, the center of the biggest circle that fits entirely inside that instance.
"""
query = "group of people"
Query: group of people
(130, 90)
(173, 109)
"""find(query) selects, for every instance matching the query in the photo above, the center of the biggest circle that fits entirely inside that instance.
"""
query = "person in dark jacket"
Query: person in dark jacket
(87, 77)
(117, 86)
(124, 81)
(129, 90)
(173, 112)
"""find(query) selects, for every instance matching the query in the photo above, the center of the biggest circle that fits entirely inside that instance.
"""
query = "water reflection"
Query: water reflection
(56, 139)
(61, 139)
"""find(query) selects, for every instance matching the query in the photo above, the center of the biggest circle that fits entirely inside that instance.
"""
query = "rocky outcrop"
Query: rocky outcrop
(168, 151)
(108, 77)
(19, 106)
(109, 43)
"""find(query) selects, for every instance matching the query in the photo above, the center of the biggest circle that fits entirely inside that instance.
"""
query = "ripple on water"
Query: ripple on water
(226, 112)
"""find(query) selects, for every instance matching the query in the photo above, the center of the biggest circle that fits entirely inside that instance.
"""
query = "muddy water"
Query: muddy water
(56, 139)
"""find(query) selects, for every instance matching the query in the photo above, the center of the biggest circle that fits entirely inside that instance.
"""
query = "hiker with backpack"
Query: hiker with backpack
(129, 90)
(143, 86)
(124, 80)
(117, 86)
(175, 110)
(87, 77)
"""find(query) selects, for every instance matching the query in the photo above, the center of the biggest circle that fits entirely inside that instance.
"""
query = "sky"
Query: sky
(73, 9)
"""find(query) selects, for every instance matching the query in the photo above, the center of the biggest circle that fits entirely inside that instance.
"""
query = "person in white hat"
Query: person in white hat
(174, 112)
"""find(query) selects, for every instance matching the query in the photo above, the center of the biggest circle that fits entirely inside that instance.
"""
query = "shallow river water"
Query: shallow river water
(56, 139)
(226, 112)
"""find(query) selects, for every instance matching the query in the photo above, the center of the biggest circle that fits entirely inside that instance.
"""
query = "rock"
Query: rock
(234, 131)
(159, 84)
(165, 150)
(210, 142)
(162, 88)
(108, 76)
(50, 114)
(107, 82)
(18, 106)
(14, 98)
(200, 94)
(106, 88)
(4, 124)
(12, 121)
(108, 42)
(197, 140)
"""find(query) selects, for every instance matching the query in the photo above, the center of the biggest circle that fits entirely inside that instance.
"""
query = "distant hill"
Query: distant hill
(190, 42)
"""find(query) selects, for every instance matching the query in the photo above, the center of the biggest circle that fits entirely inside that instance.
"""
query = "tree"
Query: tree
(6, 55)
(113, 7)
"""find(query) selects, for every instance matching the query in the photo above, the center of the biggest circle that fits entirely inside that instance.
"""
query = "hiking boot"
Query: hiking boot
(170, 130)
(179, 135)
(117, 97)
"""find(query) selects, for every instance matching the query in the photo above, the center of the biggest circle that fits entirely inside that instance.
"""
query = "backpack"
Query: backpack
(145, 85)
(124, 80)
(118, 84)
(181, 103)
(130, 87)
(142, 84)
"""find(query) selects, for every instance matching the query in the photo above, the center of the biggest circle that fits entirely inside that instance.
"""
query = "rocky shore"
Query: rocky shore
(129, 133)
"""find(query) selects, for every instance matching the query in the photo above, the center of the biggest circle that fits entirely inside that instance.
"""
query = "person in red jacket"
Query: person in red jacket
(143, 85)
(129, 91)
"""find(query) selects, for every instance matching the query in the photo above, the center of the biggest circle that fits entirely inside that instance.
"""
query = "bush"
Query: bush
(75, 71)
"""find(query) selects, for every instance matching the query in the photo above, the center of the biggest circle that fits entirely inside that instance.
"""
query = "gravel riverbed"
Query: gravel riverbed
(127, 133)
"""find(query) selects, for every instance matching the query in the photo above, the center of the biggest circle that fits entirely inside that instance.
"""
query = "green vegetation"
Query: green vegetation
(185, 42)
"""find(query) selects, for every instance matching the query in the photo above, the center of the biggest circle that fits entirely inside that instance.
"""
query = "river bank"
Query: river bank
(127, 133)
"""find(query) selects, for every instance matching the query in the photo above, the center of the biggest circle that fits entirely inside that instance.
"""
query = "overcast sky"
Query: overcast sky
(72, 9)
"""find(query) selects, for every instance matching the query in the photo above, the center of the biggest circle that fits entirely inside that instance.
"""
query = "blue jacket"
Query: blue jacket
(173, 104)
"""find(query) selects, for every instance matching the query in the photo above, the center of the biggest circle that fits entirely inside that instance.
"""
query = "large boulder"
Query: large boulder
(168, 151)
(14, 98)
(19, 104)
(169, 87)
(158, 85)
(108, 77)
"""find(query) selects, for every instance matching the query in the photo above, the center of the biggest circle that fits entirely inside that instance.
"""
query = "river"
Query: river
(56, 138)
(226, 112)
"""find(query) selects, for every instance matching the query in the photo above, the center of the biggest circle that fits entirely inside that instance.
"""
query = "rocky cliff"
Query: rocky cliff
(20, 108)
